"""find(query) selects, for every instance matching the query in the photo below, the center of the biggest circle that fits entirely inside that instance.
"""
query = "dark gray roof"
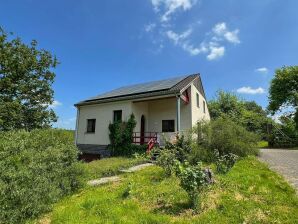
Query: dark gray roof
(140, 88)
(155, 88)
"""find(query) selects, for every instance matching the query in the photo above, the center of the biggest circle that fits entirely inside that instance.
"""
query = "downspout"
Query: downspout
(178, 113)
(77, 125)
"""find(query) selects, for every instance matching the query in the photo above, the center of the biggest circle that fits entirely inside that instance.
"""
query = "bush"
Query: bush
(228, 137)
(181, 148)
(37, 168)
(225, 162)
(166, 159)
(121, 137)
(192, 180)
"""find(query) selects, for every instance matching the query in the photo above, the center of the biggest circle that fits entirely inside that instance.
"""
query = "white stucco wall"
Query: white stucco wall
(103, 113)
(139, 109)
(154, 111)
(197, 113)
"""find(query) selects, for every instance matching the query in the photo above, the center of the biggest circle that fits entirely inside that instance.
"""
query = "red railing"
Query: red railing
(139, 138)
(149, 138)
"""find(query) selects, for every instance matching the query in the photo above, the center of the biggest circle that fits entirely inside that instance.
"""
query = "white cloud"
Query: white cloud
(55, 104)
(216, 52)
(150, 27)
(249, 90)
(221, 30)
(175, 37)
(171, 6)
(262, 70)
(194, 50)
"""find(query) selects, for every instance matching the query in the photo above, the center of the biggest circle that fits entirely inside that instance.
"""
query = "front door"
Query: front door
(142, 140)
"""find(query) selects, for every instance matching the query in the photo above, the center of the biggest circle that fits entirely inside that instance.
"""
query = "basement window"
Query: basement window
(91, 125)
(117, 116)
(168, 126)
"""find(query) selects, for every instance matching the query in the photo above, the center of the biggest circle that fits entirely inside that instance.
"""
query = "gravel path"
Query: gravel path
(284, 162)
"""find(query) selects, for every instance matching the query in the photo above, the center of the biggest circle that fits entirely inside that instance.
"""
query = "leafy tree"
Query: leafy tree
(246, 113)
(26, 79)
(283, 91)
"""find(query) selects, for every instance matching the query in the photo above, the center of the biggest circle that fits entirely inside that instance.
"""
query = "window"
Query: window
(204, 107)
(168, 126)
(91, 125)
(198, 100)
(117, 115)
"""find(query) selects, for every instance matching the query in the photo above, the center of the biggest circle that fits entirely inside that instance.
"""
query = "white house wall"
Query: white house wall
(139, 109)
(103, 113)
(197, 113)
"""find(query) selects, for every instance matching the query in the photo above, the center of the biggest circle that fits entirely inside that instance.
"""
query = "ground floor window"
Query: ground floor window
(168, 125)
(117, 116)
(91, 125)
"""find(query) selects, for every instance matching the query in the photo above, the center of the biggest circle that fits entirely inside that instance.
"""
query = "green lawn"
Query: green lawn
(108, 166)
(249, 193)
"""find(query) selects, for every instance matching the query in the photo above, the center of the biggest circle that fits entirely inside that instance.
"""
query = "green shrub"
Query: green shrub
(192, 180)
(121, 137)
(37, 168)
(166, 159)
(181, 148)
(228, 137)
(225, 162)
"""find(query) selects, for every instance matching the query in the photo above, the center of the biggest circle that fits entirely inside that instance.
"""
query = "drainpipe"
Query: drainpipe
(77, 125)
(178, 113)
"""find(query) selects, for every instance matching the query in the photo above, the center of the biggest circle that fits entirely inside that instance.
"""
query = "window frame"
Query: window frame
(114, 116)
(169, 129)
(93, 126)
(198, 99)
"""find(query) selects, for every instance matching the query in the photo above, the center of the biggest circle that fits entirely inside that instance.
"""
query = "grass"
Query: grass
(262, 144)
(108, 166)
(249, 193)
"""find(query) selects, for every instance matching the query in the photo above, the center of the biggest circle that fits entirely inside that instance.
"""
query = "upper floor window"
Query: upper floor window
(198, 100)
(91, 125)
(168, 125)
(117, 116)
(204, 106)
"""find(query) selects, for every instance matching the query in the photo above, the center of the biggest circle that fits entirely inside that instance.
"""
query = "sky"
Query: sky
(101, 45)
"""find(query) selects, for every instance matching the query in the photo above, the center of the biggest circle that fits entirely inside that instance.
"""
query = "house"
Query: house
(161, 108)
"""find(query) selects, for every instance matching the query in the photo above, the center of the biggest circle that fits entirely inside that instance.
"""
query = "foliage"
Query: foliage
(225, 162)
(246, 113)
(227, 136)
(121, 137)
(166, 159)
(283, 91)
(37, 169)
(181, 147)
(192, 180)
(26, 79)
(249, 193)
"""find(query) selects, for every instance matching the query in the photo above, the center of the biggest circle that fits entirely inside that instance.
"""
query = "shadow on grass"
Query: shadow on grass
(173, 209)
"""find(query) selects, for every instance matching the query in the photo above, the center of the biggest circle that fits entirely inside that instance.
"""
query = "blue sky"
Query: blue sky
(235, 45)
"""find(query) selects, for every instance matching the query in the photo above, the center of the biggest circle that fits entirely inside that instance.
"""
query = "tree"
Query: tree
(246, 113)
(283, 91)
(26, 79)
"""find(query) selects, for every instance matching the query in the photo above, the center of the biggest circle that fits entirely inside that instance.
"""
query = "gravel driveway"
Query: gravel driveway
(283, 161)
